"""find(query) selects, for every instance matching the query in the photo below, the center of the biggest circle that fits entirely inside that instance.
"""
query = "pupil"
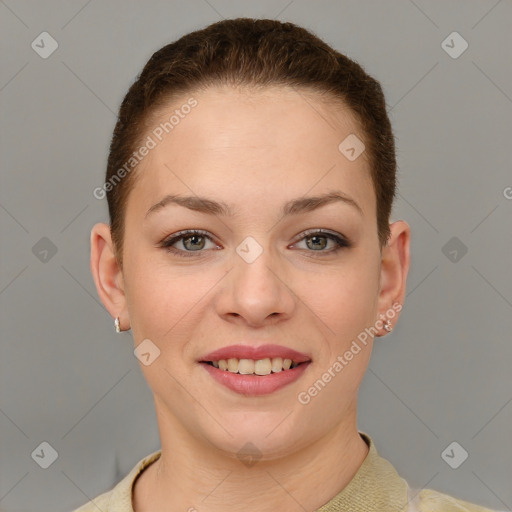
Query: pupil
(195, 238)
(315, 240)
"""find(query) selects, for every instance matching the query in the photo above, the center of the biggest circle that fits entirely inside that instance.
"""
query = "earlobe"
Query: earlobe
(106, 273)
(394, 269)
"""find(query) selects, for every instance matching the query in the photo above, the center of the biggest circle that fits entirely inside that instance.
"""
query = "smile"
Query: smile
(255, 370)
(254, 367)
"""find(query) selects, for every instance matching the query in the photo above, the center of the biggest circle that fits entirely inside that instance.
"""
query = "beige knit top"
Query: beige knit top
(376, 487)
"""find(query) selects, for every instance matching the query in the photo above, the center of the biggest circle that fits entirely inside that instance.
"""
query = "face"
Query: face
(304, 277)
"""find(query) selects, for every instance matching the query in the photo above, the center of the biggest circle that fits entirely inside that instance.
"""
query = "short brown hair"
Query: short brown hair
(256, 52)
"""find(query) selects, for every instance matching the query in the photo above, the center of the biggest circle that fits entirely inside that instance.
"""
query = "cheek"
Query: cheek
(346, 300)
(164, 300)
(151, 296)
(347, 306)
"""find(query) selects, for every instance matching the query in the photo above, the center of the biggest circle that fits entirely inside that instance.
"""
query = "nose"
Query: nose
(257, 292)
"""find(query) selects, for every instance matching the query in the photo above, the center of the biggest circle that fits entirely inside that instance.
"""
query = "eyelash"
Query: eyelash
(342, 242)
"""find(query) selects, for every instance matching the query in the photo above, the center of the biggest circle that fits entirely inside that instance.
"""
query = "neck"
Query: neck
(191, 475)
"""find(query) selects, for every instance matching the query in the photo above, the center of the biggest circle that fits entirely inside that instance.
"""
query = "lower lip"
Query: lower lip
(255, 385)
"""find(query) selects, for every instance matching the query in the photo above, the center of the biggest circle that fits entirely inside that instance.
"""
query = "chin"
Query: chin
(261, 435)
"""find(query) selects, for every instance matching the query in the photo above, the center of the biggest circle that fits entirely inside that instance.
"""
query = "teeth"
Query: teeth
(233, 365)
(262, 366)
(246, 366)
(277, 364)
(255, 367)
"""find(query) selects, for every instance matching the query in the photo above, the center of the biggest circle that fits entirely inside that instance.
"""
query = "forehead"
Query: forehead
(255, 144)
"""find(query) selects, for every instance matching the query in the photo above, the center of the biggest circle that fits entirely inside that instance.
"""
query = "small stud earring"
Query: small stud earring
(387, 326)
(116, 325)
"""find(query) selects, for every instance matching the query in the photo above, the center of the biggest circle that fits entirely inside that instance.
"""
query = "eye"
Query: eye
(192, 241)
(317, 240)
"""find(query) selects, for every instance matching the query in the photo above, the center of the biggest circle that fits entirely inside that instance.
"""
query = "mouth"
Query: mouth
(250, 370)
(258, 367)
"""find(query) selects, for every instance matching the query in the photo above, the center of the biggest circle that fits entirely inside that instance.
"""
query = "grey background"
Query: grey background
(443, 375)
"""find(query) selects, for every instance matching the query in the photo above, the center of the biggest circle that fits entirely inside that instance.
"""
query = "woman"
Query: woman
(250, 182)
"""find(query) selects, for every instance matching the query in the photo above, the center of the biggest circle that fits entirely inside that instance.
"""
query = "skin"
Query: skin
(253, 150)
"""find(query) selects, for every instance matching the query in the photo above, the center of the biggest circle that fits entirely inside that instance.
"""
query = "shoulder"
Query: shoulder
(428, 500)
(99, 503)
(119, 499)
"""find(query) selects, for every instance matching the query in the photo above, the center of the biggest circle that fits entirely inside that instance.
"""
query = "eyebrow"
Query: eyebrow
(292, 207)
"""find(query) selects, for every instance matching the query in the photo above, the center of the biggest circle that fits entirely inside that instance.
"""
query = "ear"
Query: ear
(107, 274)
(395, 261)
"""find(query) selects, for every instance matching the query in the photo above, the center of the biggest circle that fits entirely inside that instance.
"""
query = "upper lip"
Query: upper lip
(256, 353)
